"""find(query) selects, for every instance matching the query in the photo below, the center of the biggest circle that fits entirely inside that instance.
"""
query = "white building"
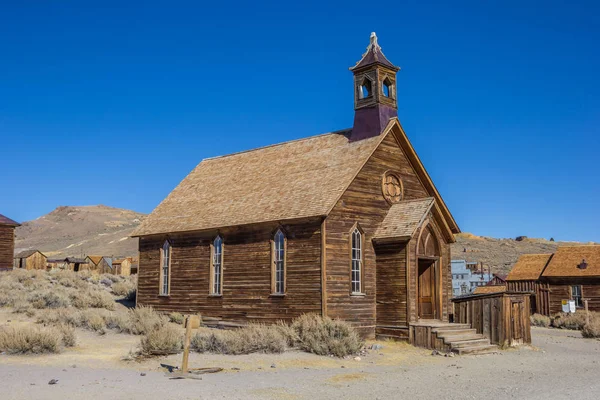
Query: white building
(464, 281)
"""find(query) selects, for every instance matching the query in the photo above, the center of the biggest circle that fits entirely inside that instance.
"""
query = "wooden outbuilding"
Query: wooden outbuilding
(7, 242)
(30, 259)
(497, 280)
(346, 224)
(92, 262)
(122, 266)
(573, 273)
(525, 277)
(68, 263)
(105, 266)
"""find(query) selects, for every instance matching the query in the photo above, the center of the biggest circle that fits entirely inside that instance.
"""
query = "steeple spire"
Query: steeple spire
(374, 92)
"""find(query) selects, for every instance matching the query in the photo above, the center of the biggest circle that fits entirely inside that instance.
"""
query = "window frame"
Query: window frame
(361, 260)
(275, 261)
(211, 288)
(161, 285)
(580, 297)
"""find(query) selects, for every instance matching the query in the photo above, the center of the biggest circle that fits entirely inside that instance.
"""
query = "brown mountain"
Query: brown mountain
(500, 254)
(79, 231)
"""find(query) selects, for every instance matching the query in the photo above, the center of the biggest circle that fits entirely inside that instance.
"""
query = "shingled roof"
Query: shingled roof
(490, 289)
(28, 253)
(403, 219)
(5, 221)
(296, 179)
(528, 267)
(567, 259)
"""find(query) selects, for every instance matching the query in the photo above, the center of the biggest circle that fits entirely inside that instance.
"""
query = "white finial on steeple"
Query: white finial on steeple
(374, 38)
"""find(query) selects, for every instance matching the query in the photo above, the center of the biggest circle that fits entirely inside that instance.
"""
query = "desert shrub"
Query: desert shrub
(85, 274)
(68, 335)
(112, 278)
(106, 282)
(254, 338)
(101, 299)
(49, 299)
(168, 339)
(591, 330)
(569, 321)
(145, 319)
(118, 321)
(92, 320)
(30, 339)
(324, 336)
(177, 318)
(540, 320)
(125, 288)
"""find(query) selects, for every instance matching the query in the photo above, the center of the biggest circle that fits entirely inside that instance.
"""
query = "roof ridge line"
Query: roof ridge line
(275, 144)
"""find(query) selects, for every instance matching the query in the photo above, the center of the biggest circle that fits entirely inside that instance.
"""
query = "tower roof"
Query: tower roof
(374, 55)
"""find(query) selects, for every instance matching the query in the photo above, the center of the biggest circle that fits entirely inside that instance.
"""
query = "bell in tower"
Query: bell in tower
(374, 92)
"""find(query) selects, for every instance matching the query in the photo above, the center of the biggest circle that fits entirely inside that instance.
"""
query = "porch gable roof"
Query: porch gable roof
(403, 219)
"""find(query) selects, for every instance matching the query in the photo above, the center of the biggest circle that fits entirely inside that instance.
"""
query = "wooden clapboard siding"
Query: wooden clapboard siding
(560, 289)
(246, 273)
(502, 317)
(391, 292)
(7, 246)
(363, 203)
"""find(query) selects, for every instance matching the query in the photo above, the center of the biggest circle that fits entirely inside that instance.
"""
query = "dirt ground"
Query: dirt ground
(560, 364)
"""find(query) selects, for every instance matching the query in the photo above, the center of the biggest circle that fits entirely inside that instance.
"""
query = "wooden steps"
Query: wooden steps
(449, 337)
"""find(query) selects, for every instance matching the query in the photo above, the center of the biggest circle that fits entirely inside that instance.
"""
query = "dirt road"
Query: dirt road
(562, 365)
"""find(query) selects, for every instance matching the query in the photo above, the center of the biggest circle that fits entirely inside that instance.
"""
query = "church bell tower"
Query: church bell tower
(375, 99)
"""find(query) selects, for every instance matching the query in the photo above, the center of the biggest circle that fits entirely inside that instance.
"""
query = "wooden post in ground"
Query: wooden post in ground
(587, 312)
(186, 344)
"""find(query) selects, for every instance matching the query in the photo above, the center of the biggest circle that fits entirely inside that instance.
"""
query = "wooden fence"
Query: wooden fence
(502, 317)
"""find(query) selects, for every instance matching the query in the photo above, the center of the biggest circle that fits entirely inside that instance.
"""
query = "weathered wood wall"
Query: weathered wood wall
(7, 247)
(560, 289)
(246, 273)
(364, 203)
(502, 317)
(391, 292)
(35, 261)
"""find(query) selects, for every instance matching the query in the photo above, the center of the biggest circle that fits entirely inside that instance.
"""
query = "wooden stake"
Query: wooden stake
(587, 312)
(186, 345)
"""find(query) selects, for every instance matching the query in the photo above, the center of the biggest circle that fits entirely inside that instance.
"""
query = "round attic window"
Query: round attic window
(391, 186)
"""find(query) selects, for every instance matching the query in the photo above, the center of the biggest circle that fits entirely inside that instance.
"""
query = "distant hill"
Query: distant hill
(79, 231)
(500, 254)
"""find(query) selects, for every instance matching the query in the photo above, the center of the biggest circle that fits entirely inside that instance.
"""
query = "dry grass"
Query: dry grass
(325, 336)
(309, 332)
(177, 318)
(591, 330)
(167, 339)
(126, 289)
(139, 321)
(33, 339)
(540, 320)
(569, 321)
(254, 338)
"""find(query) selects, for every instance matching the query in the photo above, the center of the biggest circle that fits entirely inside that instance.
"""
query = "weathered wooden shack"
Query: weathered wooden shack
(502, 317)
(347, 224)
(105, 266)
(573, 273)
(525, 277)
(7, 242)
(92, 263)
(68, 263)
(30, 259)
(122, 266)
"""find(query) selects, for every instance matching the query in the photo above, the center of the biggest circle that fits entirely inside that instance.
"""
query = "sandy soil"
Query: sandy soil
(561, 364)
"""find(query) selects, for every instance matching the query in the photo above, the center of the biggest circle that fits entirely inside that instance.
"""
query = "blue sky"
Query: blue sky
(104, 103)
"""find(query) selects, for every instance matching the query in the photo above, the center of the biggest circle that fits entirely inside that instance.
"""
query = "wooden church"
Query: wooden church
(347, 224)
